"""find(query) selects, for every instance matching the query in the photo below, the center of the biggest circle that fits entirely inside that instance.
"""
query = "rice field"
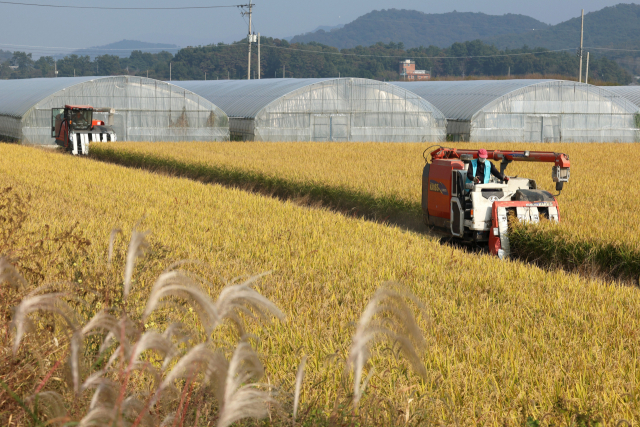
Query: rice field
(595, 205)
(506, 342)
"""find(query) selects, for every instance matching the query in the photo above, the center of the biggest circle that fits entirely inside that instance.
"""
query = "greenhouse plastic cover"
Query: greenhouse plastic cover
(245, 98)
(532, 110)
(632, 93)
(18, 96)
(143, 109)
(331, 109)
(460, 100)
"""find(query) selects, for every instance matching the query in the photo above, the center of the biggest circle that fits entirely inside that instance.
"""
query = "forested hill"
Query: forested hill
(416, 29)
(379, 61)
(612, 26)
(615, 27)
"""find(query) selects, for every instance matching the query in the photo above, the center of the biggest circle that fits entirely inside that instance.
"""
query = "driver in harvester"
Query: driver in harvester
(480, 170)
(77, 117)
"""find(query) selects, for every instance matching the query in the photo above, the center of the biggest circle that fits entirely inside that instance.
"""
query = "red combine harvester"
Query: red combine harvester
(73, 128)
(478, 213)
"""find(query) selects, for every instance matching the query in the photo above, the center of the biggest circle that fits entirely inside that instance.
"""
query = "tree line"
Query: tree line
(473, 59)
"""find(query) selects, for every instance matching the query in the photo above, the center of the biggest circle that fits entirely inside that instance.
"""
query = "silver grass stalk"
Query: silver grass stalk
(168, 420)
(9, 274)
(132, 407)
(99, 416)
(112, 238)
(233, 300)
(199, 359)
(106, 391)
(240, 399)
(50, 404)
(399, 327)
(299, 379)
(176, 284)
(102, 320)
(153, 340)
(47, 302)
(137, 248)
(236, 299)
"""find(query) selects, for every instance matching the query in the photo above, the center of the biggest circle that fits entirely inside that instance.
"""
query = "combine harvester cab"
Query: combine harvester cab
(73, 128)
(478, 213)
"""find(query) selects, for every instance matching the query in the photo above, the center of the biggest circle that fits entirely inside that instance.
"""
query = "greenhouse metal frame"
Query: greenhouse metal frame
(332, 109)
(139, 109)
(632, 93)
(530, 111)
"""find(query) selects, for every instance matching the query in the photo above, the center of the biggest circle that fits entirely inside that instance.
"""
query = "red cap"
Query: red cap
(482, 153)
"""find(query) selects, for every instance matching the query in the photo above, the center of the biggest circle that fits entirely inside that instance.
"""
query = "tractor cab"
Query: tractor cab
(78, 117)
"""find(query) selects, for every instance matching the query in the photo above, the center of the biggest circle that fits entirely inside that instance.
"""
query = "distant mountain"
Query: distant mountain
(615, 27)
(328, 28)
(124, 48)
(319, 28)
(416, 29)
(612, 26)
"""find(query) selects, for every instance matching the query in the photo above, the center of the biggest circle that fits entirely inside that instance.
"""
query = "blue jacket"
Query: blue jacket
(487, 170)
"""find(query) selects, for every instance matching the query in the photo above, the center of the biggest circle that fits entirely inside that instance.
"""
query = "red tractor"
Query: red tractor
(477, 214)
(73, 128)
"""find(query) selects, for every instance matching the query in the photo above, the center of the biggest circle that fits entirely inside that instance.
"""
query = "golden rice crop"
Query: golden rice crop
(504, 340)
(598, 204)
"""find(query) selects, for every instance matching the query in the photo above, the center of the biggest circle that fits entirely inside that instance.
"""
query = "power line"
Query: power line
(116, 8)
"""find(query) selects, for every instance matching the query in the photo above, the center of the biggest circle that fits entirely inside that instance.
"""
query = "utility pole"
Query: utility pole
(509, 75)
(250, 37)
(283, 71)
(258, 56)
(586, 79)
(205, 76)
(581, 40)
(55, 68)
(169, 71)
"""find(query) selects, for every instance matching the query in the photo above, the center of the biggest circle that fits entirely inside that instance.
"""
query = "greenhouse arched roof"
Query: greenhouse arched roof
(245, 98)
(460, 100)
(632, 93)
(18, 96)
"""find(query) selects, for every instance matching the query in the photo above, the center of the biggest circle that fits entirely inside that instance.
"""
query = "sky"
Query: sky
(47, 30)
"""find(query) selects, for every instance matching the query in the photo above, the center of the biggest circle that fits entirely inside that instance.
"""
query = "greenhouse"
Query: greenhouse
(138, 108)
(530, 110)
(336, 109)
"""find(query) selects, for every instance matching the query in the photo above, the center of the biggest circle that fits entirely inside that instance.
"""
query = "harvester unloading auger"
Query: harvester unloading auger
(73, 128)
(478, 213)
